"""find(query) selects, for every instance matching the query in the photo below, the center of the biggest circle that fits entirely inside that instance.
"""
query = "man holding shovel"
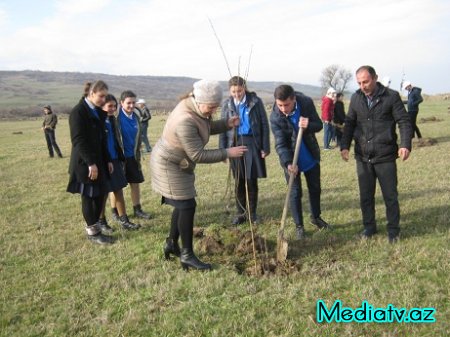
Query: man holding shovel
(292, 111)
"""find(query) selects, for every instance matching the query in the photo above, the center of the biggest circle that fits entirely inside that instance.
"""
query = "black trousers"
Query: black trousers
(386, 174)
(413, 117)
(312, 178)
(51, 142)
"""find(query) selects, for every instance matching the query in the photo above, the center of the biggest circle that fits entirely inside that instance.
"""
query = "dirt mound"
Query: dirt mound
(209, 245)
(251, 255)
(422, 142)
(245, 245)
(430, 119)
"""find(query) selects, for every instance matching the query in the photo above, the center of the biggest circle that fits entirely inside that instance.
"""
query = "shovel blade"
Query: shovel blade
(282, 249)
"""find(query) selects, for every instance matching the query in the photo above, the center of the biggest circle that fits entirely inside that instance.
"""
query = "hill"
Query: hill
(24, 93)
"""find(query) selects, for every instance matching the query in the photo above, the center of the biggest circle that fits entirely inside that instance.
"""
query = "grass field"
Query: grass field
(53, 282)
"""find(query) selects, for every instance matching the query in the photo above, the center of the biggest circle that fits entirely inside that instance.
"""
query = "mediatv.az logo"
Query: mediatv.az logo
(367, 314)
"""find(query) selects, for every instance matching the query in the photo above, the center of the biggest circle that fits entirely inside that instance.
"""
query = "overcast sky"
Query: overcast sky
(292, 40)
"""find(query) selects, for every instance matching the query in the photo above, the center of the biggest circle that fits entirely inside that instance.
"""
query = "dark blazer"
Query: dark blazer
(88, 136)
(285, 134)
(258, 122)
(117, 140)
(374, 129)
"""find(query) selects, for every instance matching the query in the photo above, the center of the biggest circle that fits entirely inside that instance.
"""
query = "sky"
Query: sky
(263, 40)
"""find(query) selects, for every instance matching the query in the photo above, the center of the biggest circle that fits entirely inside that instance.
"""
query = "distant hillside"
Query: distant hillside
(24, 93)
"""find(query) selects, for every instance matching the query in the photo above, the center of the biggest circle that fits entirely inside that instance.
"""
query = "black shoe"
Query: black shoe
(102, 224)
(139, 213)
(321, 223)
(189, 260)
(171, 247)
(60, 156)
(126, 224)
(393, 238)
(101, 239)
(367, 234)
(239, 219)
(300, 230)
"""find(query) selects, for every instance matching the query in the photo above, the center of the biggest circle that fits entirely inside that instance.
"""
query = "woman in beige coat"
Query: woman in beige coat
(175, 155)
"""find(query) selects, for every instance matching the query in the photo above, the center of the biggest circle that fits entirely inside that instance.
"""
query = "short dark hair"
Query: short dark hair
(283, 92)
(339, 94)
(126, 94)
(367, 68)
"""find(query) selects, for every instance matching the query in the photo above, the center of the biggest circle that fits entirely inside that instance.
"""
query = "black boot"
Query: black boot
(127, 224)
(189, 260)
(139, 213)
(171, 247)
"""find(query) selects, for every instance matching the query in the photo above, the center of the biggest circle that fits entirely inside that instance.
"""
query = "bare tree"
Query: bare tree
(335, 76)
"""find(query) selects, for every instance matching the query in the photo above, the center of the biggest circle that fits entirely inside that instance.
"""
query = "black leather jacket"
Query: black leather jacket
(285, 135)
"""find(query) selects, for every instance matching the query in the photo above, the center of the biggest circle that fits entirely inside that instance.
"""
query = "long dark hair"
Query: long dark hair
(90, 87)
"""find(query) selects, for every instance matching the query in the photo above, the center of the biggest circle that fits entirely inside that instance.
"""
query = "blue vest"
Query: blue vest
(306, 160)
(129, 129)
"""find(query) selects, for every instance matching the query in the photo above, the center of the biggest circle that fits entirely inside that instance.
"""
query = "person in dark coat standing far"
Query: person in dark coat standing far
(144, 118)
(339, 117)
(371, 121)
(90, 164)
(49, 126)
(414, 99)
(291, 111)
(253, 132)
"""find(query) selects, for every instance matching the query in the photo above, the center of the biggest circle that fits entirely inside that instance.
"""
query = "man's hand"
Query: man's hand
(303, 122)
(345, 154)
(403, 153)
(292, 169)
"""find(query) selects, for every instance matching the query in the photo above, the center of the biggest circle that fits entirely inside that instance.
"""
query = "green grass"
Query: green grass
(53, 282)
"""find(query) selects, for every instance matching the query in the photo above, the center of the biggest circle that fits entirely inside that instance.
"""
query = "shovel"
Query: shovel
(282, 243)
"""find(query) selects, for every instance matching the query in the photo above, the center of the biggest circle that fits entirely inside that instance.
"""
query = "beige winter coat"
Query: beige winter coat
(181, 147)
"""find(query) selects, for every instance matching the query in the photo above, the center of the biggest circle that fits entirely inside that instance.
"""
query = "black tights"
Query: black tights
(91, 208)
(182, 224)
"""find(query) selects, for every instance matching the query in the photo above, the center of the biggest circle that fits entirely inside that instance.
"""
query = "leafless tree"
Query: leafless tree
(335, 76)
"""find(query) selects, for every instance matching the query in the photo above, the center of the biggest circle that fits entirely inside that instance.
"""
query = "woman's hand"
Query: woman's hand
(236, 152)
(110, 167)
(93, 172)
(233, 122)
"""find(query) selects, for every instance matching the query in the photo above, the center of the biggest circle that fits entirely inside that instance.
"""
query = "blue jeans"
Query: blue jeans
(51, 142)
(386, 173)
(312, 178)
(327, 135)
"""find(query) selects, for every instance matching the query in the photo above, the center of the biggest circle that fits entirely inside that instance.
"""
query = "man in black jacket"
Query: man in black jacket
(291, 111)
(371, 121)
